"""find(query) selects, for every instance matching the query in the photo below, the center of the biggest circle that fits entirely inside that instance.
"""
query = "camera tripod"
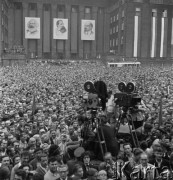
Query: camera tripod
(96, 125)
(127, 115)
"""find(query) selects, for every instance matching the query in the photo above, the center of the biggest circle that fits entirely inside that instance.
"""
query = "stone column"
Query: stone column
(25, 14)
(81, 16)
(67, 42)
(0, 32)
(40, 41)
(106, 30)
(53, 41)
(94, 47)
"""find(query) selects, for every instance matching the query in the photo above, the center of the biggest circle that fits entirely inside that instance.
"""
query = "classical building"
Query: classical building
(13, 24)
(128, 28)
(142, 28)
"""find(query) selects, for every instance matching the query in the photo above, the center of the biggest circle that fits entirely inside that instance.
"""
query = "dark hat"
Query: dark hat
(54, 150)
(4, 172)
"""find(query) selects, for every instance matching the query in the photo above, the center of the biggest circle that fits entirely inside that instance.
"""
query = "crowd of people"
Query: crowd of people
(43, 134)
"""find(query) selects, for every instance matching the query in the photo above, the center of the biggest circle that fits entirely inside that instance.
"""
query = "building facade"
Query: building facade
(4, 5)
(142, 28)
(47, 47)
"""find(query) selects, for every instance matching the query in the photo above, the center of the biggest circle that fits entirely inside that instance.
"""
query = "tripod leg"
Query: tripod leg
(133, 139)
(134, 135)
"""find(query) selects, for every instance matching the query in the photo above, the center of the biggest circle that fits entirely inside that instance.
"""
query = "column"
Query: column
(158, 45)
(53, 41)
(0, 32)
(81, 16)
(106, 31)
(94, 47)
(169, 32)
(25, 14)
(40, 41)
(67, 42)
(11, 25)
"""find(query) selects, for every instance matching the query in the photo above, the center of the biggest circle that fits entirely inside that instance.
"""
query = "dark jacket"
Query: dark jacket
(110, 139)
(163, 164)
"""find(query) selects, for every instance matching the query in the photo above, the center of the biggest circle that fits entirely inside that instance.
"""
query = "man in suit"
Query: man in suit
(63, 172)
(110, 136)
(42, 169)
(159, 162)
(144, 170)
(87, 165)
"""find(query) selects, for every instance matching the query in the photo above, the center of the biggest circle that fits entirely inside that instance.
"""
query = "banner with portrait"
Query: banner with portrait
(60, 28)
(32, 28)
(88, 30)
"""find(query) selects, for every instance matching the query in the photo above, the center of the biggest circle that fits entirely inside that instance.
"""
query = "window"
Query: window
(18, 6)
(74, 9)
(138, 12)
(122, 26)
(87, 10)
(154, 13)
(100, 10)
(60, 8)
(122, 13)
(117, 17)
(122, 39)
(114, 18)
(116, 43)
(46, 7)
(117, 28)
(2, 21)
(123, 1)
(165, 14)
(111, 19)
(111, 31)
(32, 6)
(111, 43)
(114, 30)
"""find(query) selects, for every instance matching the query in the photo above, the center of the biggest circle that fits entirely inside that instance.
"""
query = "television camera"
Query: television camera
(127, 96)
(96, 95)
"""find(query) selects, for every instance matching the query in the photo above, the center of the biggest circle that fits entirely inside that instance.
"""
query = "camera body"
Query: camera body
(90, 101)
(127, 100)
(127, 96)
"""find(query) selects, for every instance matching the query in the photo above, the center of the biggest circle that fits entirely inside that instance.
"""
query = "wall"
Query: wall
(74, 10)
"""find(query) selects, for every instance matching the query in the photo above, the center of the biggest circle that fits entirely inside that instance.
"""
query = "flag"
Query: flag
(160, 113)
(33, 106)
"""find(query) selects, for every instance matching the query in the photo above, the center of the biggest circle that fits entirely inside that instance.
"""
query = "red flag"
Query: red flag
(160, 113)
(33, 106)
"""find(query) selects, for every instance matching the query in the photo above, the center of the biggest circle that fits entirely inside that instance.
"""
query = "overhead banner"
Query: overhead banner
(32, 28)
(60, 28)
(88, 30)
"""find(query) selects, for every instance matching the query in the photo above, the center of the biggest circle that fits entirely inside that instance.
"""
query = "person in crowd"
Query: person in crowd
(128, 154)
(127, 169)
(63, 172)
(87, 165)
(77, 172)
(144, 170)
(43, 168)
(159, 162)
(20, 174)
(52, 173)
(110, 166)
(41, 112)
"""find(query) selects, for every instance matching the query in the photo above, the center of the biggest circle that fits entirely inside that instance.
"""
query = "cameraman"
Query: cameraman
(87, 133)
(110, 136)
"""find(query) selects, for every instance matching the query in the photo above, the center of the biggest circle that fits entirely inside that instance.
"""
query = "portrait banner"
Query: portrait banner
(88, 30)
(32, 28)
(60, 28)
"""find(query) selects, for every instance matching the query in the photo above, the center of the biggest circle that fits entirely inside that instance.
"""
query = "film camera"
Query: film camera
(96, 95)
(127, 96)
